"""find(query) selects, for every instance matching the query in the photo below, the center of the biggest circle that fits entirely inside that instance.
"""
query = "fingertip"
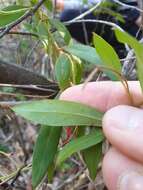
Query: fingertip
(109, 170)
(122, 126)
(114, 116)
(115, 165)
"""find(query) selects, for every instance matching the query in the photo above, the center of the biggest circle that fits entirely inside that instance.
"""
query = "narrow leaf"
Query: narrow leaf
(79, 144)
(77, 70)
(92, 157)
(62, 30)
(90, 55)
(50, 172)
(44, 152)
(59, 113)
(107, 54)
(84, 52)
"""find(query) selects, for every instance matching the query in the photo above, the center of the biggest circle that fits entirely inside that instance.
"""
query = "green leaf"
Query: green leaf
(59, 113)
(44, 152)
(63, 71)
(51, 171)
(90, 55)
(33, 1)
(42, 30)
(79, 144)
(49, 5)
(23, 2)
(92, 157)
(62, 30)
(11, 14)
(108, 55)
(77, 70)
(84, 52)
(4, 148)
(138, 48)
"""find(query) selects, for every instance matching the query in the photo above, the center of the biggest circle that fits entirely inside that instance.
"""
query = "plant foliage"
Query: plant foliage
(69, 60)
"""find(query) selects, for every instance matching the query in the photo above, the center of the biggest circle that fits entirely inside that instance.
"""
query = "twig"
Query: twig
(119, 75)
(17, 175)
(94, 21)
(129, 65)
(90, 77)
(24, 34)
(54, 8)
(128, 6)
(70, 180)
(7, 178)
(26, 95)
(81, 16)
(44, 88)
(25, 16)
(128, 58)
(8, 104)
(140, 2)
(87, 12)
(85, 32)
(30, 53)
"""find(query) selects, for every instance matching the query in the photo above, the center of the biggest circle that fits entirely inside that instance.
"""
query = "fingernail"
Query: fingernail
(130, 181)
(124, 117)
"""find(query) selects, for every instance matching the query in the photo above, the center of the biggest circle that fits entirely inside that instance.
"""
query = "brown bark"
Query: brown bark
(26, 81)
(14, 74)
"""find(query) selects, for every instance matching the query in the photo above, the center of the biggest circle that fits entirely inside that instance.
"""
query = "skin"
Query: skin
(122, 125)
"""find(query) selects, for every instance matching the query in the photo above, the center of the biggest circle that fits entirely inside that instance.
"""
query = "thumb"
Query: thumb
(123, 127)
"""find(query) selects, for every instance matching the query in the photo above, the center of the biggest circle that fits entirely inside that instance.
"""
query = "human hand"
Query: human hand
(123, 127)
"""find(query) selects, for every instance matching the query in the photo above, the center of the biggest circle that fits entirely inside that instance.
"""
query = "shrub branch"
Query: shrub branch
(25, 16)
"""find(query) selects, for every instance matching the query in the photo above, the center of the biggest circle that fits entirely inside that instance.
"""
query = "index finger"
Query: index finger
(103, 95)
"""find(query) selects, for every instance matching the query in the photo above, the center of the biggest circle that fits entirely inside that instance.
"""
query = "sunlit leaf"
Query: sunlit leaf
(107, 54)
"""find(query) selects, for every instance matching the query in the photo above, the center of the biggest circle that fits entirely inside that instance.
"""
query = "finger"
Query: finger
(121, 173)
(123, 127)
(103, 95)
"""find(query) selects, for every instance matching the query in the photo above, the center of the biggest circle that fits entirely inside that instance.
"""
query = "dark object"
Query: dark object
(14, 74)
(25, 80)
(77, 29)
